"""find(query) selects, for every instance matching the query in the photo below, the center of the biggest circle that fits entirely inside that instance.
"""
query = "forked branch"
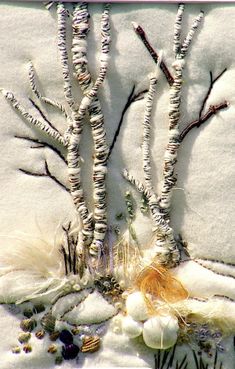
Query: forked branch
(47, 173)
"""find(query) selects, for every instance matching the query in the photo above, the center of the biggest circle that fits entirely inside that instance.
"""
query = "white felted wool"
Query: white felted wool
(203, 200)
(131, 327)
(94, 309)
(160, 332)
(74, 299)
(136, 306)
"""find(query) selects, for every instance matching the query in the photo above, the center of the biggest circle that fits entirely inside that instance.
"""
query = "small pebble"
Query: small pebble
(52, 349)
(28, 313)
(27, 325)
(16, 350)
(24, 337)
(75, 331)
(54, 335)
(40, 334)
(27, 348)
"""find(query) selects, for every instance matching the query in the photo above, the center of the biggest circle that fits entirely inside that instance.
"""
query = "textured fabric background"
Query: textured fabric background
(204, 199)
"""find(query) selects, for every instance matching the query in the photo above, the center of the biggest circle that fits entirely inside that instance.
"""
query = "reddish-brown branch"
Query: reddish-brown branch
(213, 109)
(212, 82)
(139, 30)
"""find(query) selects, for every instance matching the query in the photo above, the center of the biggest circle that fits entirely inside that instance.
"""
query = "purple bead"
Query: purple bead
(70, 352)
(66, 337)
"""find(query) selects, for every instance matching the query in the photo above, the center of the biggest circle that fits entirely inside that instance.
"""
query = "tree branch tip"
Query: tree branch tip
(135, 25)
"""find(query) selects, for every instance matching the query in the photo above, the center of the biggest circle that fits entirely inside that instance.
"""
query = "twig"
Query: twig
(43, 115)
(35, 90)
(131, 98)
(213, 109)
(46, 174)
(50, 131)
(140, 32)
(212, 82)
(42, 145)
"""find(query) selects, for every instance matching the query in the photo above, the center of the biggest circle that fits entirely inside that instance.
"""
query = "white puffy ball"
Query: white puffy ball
(131, 327)
(160, 332)
(136, 306)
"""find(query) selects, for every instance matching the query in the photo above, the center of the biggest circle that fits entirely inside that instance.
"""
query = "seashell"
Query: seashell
(27, 325)
(66, 337)
(48, 322)
(40, 334)
(24, 337)
(131, 327)
(136, 306)
(27, 348)
(16, 350)
(54, 335)
(160, 332)
(38, 308)
(28, 313)
(90, 344)
(76, 331)
(52, 349)
(70, 352)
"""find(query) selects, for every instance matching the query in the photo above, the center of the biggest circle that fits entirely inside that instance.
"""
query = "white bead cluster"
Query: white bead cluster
(159, 331)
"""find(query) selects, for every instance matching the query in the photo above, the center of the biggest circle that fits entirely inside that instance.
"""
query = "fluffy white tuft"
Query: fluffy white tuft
(31, 269)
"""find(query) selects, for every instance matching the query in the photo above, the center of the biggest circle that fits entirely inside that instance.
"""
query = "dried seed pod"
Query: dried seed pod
(27, 325)
(16, 350)
(90, 344)
(24, 337)
(40, 334)
(52, 349)
(48, 322)
(27, 348)
(54, 335)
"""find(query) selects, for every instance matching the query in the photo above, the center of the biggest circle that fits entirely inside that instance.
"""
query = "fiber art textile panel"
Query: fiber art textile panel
(117, 185)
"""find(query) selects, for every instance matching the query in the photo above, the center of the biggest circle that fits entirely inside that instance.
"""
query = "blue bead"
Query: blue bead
(70, 352)
(66, 337)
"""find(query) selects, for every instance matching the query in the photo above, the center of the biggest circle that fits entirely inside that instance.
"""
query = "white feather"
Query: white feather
(31, 269)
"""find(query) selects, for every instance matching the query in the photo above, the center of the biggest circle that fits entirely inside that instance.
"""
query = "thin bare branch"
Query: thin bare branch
(213, 109)
(43, 115)
(44, 127)
(131, 98)
(140, 32)
(47, 173)
(35, 90)
(212, 82)
(42, 144)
